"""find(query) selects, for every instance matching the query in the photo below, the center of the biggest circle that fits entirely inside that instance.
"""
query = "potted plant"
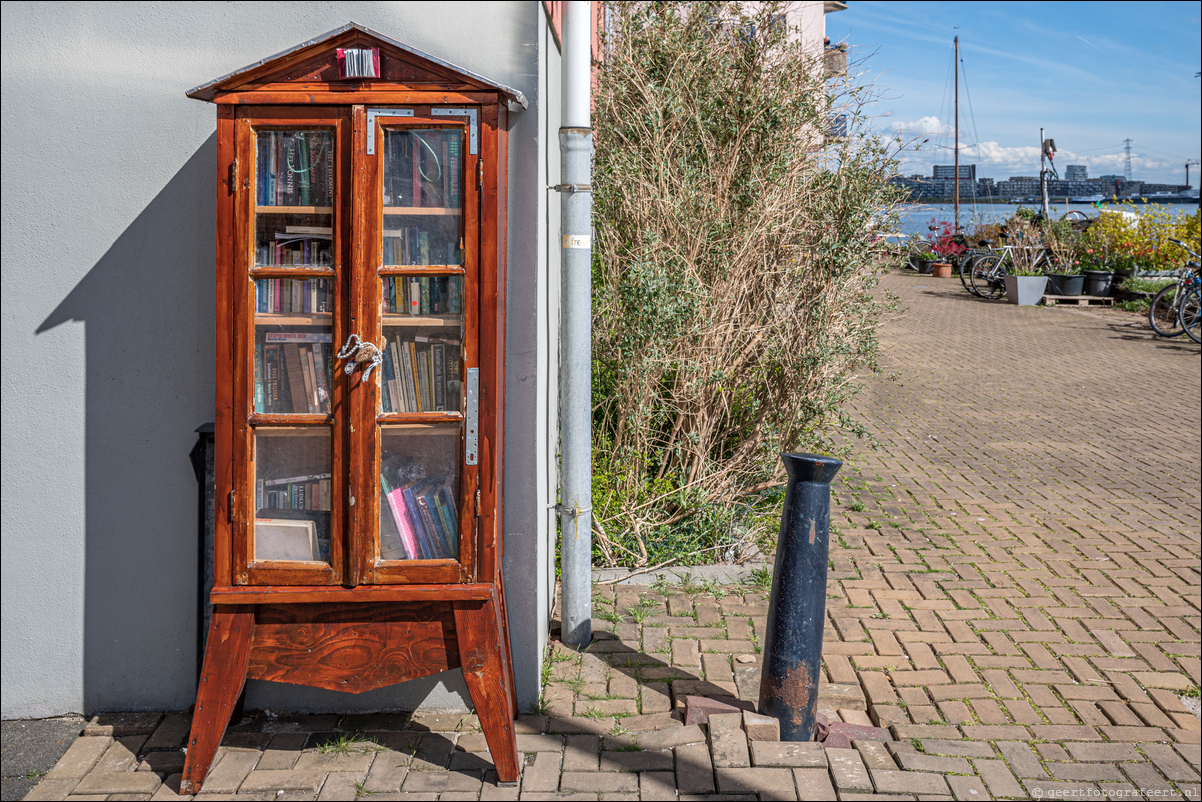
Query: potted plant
(1025, 287)
(1064, 280)
(1098, 277)
(925, 260)
(1063, 239)
(948, 246)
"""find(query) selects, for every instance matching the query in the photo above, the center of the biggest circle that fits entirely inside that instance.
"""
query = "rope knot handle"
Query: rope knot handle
(359, 351)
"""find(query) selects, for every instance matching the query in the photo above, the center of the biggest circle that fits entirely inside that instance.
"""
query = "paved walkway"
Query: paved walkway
(1014, 593)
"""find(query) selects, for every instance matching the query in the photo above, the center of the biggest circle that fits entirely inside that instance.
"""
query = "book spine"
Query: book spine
(434, 537)
(419, 524)
(440, 394)
(415, 296)
(259, 399)
(451, 364)
(416, 147)
(455, 293)
(415, 385)
(304, 174)
(455, 169)
(451, 536)
(323, 494)
(404, 525)
(295, 378)
(424, 284)
(388, 383)
(290, 189)
(271, 359)
(423, 244)
(446, 164)
(321, 362)
(307, 378)
(399, 395)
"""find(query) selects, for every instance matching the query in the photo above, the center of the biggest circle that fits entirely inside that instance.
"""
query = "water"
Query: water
(916, 217)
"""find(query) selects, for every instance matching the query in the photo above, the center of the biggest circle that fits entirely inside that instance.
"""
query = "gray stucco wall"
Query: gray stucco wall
(108, 335)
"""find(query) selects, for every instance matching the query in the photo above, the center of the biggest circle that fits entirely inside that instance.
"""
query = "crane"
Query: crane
(1187, 164)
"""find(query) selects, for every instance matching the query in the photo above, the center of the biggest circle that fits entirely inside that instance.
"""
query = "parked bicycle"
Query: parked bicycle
(987, 271)
(1176, 309)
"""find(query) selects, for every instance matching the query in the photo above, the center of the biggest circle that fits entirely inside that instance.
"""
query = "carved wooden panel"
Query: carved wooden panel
(352, 648)
(395, 65)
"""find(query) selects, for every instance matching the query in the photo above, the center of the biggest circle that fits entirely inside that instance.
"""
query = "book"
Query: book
(416, 148)
(303, 174)
(408, 372)
(398, 504)
(322, 373)
(454, 389)
(454, 169)
(306, 369)
(284, 539)
(415, 296)
(296, 379)
(271, 378)
(259, 395)
(399, 396)
(439, 369)
(298, 337)
(387, 383)
(434, 541)
(446, 171)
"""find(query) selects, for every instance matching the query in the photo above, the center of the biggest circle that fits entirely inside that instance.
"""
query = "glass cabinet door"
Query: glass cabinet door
(292, 305)
(419, 526)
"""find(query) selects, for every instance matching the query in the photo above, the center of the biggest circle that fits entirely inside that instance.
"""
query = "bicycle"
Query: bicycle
(1168, 315)
(987, 275)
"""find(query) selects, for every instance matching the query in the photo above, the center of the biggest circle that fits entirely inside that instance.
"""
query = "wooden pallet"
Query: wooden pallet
(1077, 300)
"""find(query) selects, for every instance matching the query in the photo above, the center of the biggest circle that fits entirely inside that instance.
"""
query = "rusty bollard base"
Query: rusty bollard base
(797, 610)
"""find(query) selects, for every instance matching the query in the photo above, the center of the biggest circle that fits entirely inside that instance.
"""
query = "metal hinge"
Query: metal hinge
(229, 506)
(572, 188)
(480, 174)
(232, 180)
(472, 125)
(477, 502)
(472, 417)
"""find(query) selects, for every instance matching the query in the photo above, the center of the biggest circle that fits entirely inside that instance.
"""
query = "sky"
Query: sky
(1092, 74)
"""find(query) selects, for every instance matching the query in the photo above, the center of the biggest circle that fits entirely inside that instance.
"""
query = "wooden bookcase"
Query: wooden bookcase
(358, 540)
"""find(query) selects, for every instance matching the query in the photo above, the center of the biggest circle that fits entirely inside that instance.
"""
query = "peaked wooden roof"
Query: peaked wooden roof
(420, 68)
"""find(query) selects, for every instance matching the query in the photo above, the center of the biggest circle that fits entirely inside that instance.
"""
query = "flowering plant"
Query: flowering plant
(947, 244)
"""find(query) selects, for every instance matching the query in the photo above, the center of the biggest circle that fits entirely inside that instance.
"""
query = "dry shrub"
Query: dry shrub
(734, 255)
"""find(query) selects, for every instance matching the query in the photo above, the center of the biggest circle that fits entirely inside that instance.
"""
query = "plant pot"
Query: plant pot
(1097, 282)
(1065, 285)
(1025, 290)
(924, 266)
(941, 270)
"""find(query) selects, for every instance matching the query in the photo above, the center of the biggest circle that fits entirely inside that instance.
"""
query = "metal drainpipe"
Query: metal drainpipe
(576, 333)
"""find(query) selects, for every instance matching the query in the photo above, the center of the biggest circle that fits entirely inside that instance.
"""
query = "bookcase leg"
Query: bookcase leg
(486, 670)
(221, 680)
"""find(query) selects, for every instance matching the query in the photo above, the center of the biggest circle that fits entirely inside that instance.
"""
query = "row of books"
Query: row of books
(418, 520)
(294, 168)
(290, 248)
(307, 492)
(433, 242)
(423, 168)
(432, 295)
(288, 295)
(293, 372)
(421, 375)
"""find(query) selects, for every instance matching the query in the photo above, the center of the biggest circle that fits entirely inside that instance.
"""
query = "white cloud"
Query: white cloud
(924, 127)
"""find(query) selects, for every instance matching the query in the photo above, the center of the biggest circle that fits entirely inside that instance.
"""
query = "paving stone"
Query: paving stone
(227, 774)
(800, 754)
(118, 782)
(542, 774)
(998, 779)
(917, 762)
(1106, 753)
(1091, 772)
(599, 782)
(1022, 760)
(761, 728)
(699, 708)
(937, 746)
(668, 738)
(1170, 763)
(643, 760)
(767, 783)
(171, 733)
(539, 743)
(848, 772)
(79, 758)
(875, 755)
(581, 753)
(388, 772)
(333, 761)
(273, 780)
(966, 787)
(728, 743)
(694, 769)
(902, 782)
(814, 784)
(857, 732)
(52, 789)
(659, 786)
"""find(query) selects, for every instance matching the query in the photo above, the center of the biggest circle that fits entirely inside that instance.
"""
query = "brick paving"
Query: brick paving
(1014, 593)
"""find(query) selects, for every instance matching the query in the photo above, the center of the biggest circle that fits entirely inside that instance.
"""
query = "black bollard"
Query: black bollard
(797, 610)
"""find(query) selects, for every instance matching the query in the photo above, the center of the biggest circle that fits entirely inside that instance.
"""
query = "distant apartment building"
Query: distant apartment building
(948, 172)
(1076, 172)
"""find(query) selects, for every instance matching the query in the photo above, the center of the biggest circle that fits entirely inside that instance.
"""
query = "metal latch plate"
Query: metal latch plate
(372, 114)
(471, 437)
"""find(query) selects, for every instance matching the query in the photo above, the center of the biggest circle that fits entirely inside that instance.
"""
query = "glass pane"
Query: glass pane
(292, 494)
(419, 492)
(423, 335)
(294, 345)
(294, 198)
(423, 196)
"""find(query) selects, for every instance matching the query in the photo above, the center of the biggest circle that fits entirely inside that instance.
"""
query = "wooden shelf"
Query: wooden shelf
(425, 211)
(421, 320)
(294, 210)
(294, 319)
(300, 594)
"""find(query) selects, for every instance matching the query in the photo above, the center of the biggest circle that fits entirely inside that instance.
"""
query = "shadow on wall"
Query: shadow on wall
(148, 308)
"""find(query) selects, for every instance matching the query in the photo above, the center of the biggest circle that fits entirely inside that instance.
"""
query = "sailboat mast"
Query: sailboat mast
(956, 143)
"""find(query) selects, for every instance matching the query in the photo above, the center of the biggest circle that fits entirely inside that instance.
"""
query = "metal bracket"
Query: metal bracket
(572, 188)
(471, 114)
(575, 512)
(372, 114)
(471, 437)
